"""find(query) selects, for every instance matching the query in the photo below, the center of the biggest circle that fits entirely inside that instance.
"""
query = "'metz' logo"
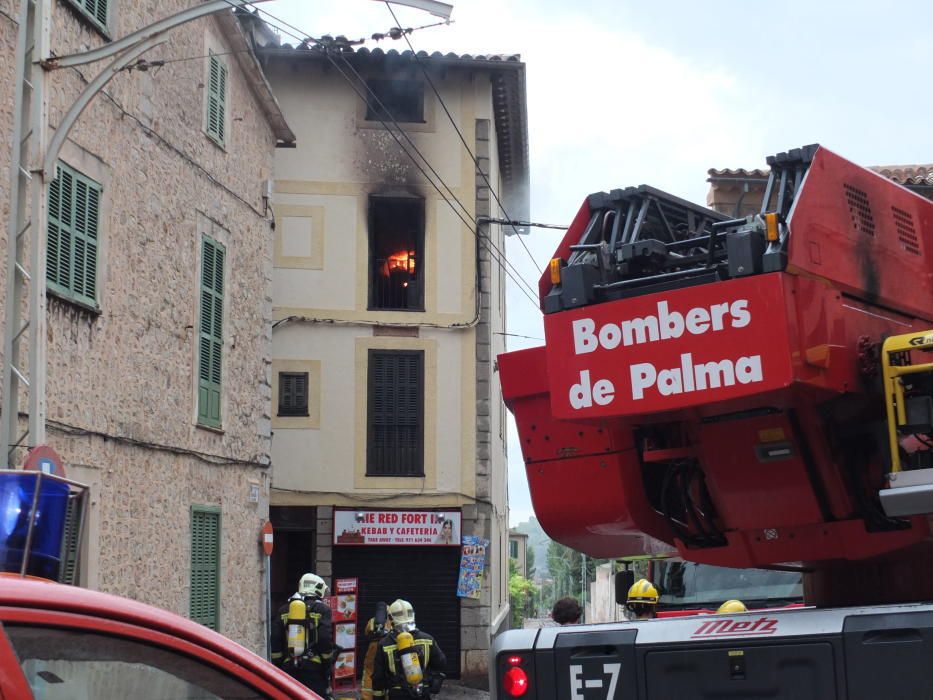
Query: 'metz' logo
(736, 628)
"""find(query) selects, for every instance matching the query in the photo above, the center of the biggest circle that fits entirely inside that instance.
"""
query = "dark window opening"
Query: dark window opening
(398, 100)
(396, 242)
(395, 413)
(293, 393)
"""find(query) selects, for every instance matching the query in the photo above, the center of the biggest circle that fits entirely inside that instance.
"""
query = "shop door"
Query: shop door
(424, 576)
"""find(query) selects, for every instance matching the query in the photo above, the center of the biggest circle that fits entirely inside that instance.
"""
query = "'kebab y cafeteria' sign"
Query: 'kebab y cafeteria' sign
(669, 350)
(397, 527)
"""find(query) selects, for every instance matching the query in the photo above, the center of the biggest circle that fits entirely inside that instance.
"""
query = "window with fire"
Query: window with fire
(396, 259)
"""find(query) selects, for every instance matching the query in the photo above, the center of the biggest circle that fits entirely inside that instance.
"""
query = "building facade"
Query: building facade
(518, 551)
(389, 428)
(159, 308)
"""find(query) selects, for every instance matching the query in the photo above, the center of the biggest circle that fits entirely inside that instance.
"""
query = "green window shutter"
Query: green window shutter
(95, 10)
(211, 335)
(216, 99)
(395, 408)
(72, 235)
(204, 605)
(68, 570)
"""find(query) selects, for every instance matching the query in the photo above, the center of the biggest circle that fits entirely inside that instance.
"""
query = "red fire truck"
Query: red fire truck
(755, 392)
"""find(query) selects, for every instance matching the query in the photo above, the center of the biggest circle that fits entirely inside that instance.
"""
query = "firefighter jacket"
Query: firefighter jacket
(388, 677)
(320, 653)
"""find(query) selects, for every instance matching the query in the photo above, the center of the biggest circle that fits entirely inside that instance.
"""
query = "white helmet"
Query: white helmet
(312, 585)
(401, 613)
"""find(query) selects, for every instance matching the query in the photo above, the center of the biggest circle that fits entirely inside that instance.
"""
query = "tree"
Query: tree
(523, 596)
(530, 561)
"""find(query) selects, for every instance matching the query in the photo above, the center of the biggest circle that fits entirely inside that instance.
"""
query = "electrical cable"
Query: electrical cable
(209, 458)
(462, 139)
(290, 30)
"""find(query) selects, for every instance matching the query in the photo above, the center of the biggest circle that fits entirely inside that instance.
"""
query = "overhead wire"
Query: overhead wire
(463, 140)
(499, 256)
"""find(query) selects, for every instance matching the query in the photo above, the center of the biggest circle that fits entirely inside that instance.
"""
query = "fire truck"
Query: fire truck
(754, 392)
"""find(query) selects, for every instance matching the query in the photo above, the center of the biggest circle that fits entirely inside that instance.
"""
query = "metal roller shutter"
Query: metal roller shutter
(424, 576)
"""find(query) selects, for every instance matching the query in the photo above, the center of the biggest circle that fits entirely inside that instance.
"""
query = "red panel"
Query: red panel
(749, 493)
(651, 353)
(572, 237)
(869, 237)
(41, 601)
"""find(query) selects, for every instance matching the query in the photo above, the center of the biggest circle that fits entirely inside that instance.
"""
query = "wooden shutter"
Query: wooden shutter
(72, 235)
(216, 99)
(293, 393)
(210, 335)
(395, 413)
(205, 566)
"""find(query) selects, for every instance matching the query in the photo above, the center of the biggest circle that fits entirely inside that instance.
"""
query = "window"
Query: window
(395, 407)
(72, 236)
(211, 335)
(94, 10)
(64, 664)
(401, 100)
(204, 605)
(216, 99)
(396, 261)
(293, 393)
(513, 549)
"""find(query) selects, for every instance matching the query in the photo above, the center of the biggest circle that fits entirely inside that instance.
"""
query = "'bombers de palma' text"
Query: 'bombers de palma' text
(645, 377)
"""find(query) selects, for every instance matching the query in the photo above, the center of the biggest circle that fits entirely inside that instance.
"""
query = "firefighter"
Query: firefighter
(416, 673)
(376, 629)
(303, 636)
(642, 600)
(732, 606)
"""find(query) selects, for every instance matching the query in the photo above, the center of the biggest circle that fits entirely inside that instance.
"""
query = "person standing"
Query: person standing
(389, 679)
(566, 611)
(313, 664)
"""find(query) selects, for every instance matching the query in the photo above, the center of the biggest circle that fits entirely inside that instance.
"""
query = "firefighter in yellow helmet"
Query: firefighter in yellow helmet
(732, 606)
(409, 663)
(376, 630)
(303, 638)
(642, 600)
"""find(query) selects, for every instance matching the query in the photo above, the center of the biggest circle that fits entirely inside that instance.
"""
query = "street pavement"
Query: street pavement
(455, 691)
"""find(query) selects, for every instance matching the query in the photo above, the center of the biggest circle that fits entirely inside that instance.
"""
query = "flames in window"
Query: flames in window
(401, 265)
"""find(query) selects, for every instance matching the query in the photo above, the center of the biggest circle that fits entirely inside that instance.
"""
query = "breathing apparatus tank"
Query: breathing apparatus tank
(297, 632)
(411, 663)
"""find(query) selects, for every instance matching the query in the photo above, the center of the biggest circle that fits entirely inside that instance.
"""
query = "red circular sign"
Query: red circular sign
(265, 538)
(44, 459)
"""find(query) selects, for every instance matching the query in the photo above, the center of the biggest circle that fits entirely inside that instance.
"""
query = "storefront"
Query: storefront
(410, 554)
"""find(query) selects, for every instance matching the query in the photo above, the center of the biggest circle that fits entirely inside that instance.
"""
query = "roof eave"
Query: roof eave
(255, 77)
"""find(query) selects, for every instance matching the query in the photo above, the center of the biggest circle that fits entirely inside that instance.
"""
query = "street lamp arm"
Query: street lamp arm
(148, 32)
(84, 99)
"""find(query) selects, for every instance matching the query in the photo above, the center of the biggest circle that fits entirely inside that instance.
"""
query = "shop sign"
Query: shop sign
(397, 527)
(343, 607)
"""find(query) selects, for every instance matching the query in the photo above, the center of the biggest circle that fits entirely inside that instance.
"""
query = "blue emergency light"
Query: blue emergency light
(33, 510)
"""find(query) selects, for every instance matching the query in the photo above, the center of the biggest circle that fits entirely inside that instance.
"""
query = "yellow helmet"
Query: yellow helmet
(643, 591)
(732, 606)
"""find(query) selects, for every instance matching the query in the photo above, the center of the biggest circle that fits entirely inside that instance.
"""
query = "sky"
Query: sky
(625, 93)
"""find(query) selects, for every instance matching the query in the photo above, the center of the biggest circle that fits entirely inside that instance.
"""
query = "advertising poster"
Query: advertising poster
(397, 527)
(472, 567)
(343, 610)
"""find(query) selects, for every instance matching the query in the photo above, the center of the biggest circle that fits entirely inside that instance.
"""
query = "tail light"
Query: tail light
(515, 675)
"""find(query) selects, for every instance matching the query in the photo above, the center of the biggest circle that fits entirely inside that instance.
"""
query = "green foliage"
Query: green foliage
(567, 572)
(523, 596)
(530, 561)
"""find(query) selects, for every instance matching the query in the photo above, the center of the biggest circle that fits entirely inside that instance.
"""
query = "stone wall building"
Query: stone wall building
(159, 308)
(389, 428)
